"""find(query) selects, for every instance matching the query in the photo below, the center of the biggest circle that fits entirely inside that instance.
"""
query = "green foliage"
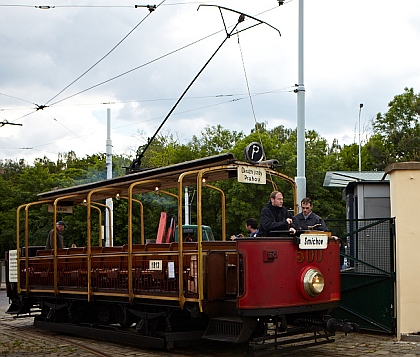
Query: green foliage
(396, 138)
(215, 140)
(399, 128)
(21, 183)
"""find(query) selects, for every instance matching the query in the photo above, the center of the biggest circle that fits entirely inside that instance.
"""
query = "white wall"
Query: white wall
(405, 195)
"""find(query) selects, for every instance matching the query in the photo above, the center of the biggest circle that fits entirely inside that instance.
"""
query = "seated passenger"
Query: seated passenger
(275, 217)
(251, 226)
(189, 237)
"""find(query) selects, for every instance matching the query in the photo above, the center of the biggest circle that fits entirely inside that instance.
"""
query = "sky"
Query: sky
(76, 59)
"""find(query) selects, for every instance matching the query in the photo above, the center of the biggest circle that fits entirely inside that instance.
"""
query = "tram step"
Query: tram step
(229, 329)
(17, 309)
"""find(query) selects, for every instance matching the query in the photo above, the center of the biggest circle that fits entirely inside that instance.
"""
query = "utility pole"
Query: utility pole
(360, 152)
(109, 215)
(300, 90)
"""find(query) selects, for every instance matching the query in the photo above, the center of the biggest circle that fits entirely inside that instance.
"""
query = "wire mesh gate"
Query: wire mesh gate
(367, 272)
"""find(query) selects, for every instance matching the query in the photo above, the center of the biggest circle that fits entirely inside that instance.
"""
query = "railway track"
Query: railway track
(19, 338)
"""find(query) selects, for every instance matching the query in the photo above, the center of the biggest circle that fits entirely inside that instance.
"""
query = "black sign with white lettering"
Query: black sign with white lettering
(254, 153)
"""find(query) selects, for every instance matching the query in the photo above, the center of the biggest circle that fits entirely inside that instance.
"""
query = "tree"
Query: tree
(399, 129)
(21, 183)
(215, 140)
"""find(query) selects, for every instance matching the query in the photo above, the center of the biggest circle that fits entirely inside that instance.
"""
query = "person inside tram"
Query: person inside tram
(308, 220)
(275, 217)
(59, 226)
(251, 226)
(189, 237)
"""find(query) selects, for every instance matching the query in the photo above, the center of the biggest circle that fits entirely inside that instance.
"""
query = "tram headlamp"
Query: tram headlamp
(313, 282)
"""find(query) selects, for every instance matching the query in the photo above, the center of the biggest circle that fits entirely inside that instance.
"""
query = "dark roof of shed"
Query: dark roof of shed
(343, 178)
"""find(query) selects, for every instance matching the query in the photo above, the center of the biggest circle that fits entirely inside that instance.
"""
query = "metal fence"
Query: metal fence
(368, 244)
(367, 273)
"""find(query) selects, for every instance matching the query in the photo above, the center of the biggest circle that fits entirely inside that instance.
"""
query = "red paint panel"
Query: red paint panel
(273, 271)
(160, 238)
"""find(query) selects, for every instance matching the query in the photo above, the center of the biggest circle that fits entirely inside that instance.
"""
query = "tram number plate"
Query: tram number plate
(155, 265)
(313, 241)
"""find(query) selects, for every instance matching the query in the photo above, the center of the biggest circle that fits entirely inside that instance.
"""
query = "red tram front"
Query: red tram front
(280, 273)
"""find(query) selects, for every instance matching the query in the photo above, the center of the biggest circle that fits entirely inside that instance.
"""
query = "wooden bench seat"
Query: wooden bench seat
(174, 246)
(116, 249)
(43, 252)
(157, 247)
(95, 250)
(219, 245)
(135, 248)
(77, 250)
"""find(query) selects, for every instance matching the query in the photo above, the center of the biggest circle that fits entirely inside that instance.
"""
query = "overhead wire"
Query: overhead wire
(65, 127)
(143, 65)
(147, 63)
(156, 118)
(289, 89)
(11, 96)
(132, 70)
(46, 7)
(106, 55)
(251, 102)
(126, 72)
(247, 86)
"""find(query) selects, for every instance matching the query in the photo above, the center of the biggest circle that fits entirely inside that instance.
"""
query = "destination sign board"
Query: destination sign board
(61, 209)
(251, 174)
(313, 241)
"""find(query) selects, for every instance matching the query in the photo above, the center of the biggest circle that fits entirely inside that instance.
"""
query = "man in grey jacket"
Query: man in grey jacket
(60, 225)
(307, 220)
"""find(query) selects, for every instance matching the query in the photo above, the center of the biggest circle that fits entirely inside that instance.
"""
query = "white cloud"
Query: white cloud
(358, 52)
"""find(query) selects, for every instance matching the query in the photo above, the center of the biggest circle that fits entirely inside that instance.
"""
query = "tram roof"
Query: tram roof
(163, 177)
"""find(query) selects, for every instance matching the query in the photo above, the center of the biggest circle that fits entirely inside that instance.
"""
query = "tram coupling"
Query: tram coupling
(334, 325)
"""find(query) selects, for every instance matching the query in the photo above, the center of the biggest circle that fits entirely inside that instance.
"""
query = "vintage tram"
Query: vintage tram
(263, 290)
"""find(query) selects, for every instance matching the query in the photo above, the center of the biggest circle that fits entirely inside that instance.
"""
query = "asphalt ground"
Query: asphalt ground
(18, 337)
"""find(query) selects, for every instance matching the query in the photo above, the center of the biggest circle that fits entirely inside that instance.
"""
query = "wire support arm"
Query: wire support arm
(5, 122)
(242, 18)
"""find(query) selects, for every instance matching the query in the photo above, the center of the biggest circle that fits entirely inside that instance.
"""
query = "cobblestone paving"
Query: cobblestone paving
(19, 338)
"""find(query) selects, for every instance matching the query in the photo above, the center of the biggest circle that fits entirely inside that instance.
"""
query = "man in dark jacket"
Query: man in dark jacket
(275, 217)
(307, 220)
(60, 225)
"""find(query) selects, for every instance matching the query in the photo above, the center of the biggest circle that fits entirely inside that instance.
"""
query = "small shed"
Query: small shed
(366, 192)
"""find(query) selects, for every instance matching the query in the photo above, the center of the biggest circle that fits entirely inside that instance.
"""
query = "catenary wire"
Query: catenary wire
(140, 67)
(145, 64)
(129, 71)
(288, 89)
(106, 55)
(45, 7)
